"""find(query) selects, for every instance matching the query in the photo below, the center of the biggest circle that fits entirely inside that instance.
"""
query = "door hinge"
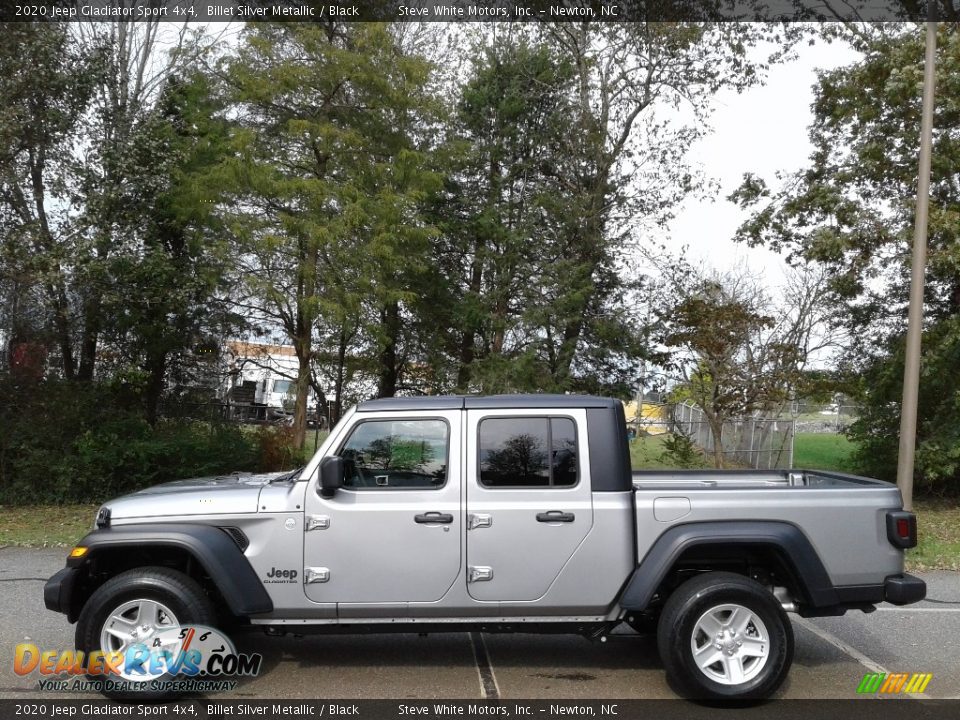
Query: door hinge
(316, 522)
(316, 575)
(479, 574)
(479, 520)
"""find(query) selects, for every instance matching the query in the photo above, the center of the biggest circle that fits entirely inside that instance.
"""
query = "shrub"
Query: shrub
(276, 450)
(679, 451)
(86, 442)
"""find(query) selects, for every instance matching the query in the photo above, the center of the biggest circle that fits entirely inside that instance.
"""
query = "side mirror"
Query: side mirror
(331, 475)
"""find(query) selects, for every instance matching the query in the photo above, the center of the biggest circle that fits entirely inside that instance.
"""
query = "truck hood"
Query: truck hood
(214, 495)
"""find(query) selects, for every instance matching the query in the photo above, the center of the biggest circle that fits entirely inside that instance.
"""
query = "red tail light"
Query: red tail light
(902, 529)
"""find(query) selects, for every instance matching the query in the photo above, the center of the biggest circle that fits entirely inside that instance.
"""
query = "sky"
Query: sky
(763, 131)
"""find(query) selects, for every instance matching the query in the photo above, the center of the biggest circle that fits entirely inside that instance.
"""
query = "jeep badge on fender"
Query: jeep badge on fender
(277, 575)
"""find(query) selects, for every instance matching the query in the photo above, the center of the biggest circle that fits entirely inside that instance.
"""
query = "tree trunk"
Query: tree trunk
(389, 371)
(62, 324)
(340, 379)
(55, 288)
(156, 366)
(302, 347)
(89, 339)
(587, 245)
(468, 341)
(466, 360)
(716, 431)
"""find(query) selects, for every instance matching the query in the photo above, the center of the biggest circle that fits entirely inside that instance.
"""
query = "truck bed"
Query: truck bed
(844, 516)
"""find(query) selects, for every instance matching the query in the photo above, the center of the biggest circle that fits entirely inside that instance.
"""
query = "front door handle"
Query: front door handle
(555, 516)
(432, 518)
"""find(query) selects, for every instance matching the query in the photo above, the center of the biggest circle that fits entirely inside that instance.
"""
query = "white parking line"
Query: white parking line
(916, 609)
(489, 690)
(871, 665)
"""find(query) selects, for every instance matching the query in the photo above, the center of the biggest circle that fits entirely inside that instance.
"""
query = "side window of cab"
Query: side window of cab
(528, 452)
(396, 454)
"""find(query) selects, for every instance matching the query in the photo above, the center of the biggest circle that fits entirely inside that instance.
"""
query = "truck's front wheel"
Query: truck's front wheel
(724, 636)
(137, 611)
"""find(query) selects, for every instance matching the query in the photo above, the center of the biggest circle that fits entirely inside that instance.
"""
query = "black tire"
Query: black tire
(682, 625)
(178, 592)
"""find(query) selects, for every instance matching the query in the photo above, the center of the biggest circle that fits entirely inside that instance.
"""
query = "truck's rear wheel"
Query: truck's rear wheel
(724, 636)
(140, 606)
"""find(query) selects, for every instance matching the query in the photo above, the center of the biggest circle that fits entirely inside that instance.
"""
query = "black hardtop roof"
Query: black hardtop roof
(486, 402)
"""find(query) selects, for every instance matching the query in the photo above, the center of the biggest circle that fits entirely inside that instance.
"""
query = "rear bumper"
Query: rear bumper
(900, 589)
(904, 589)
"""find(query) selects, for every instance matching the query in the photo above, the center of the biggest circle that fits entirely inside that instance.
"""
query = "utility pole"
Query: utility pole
(641, 387)
(911, 370)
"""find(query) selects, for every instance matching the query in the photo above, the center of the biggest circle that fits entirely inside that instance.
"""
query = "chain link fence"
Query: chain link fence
(821, 418)
(758, 442)
(243, 413)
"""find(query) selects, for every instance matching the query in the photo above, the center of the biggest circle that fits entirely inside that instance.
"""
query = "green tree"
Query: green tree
(715, 328)
(134, 62)
(853, 211)
(621, 167)
(736, 352)
(167, 284)
(328, 173)
(46, 83)
(497, 217)
(76, 101)
(567, 159)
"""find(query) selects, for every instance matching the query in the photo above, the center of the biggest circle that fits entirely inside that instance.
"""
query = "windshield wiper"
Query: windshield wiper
(288, 476)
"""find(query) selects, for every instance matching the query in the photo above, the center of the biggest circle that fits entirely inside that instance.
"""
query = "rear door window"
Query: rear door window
(528, 452)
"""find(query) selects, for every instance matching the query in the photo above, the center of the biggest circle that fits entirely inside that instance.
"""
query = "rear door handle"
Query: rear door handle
(555, 516)
(432, 518)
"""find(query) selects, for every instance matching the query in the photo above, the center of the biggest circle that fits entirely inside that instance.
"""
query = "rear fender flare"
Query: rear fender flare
(786, 539)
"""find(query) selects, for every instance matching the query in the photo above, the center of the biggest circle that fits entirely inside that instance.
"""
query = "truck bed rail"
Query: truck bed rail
(732, 479)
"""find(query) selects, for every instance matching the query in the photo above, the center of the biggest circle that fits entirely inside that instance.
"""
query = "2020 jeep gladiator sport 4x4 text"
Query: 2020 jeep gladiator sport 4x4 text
(509, 513)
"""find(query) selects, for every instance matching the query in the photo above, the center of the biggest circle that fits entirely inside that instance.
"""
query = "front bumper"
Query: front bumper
(58, 591)
(904, 589)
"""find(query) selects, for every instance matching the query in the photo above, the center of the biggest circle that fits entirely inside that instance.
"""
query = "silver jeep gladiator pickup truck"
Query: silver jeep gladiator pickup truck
(512, 513)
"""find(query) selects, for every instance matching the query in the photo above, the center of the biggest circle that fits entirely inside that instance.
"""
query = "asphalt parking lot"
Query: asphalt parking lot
(832, 654)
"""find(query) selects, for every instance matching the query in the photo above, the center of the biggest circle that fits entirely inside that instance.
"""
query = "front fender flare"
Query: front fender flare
(210, 546)
(787, 540)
